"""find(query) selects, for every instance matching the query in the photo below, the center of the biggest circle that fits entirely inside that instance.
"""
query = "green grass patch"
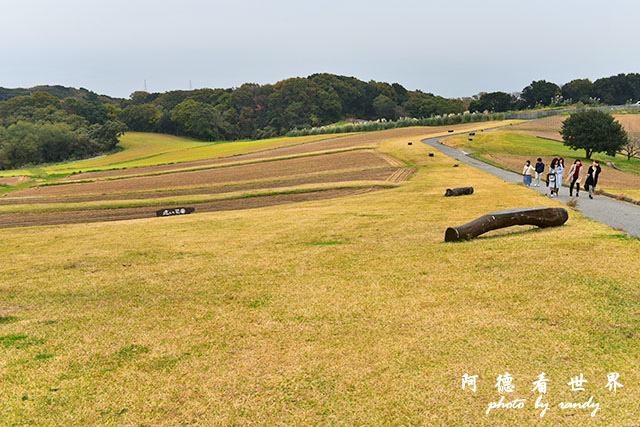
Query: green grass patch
(43, 356)
(18, 341)
(325, 243)
(130, 351)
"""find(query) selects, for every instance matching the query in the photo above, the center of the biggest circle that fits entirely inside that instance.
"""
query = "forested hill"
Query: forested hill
(58, 91)
(261, 111)
(41, 128)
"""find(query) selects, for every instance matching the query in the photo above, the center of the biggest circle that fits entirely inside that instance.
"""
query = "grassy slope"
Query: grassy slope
(348, 311)
(526, 145)
(148, 149)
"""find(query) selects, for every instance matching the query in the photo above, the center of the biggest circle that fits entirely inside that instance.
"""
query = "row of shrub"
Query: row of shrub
(445, 120)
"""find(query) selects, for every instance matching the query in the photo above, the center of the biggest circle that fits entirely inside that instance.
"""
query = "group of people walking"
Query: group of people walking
(556, 175)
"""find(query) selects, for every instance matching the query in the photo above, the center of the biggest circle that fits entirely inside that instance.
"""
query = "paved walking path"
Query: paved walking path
(614, 213)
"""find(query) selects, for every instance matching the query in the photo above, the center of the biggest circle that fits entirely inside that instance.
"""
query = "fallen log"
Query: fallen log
(460, 191)
(542, 217)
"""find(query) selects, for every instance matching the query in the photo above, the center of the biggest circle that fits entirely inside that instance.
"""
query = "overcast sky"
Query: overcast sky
(450, 48)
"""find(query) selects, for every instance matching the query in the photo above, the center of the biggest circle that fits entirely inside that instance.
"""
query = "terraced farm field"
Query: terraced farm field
(142, 149)
(296, 167)
(286, 170)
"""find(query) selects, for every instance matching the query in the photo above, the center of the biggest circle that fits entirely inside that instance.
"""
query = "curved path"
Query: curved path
(616, 214)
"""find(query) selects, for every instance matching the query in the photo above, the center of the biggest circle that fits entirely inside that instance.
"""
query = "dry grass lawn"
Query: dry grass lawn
(348, 311)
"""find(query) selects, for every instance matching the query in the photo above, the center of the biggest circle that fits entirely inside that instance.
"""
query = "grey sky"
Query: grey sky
(450, 48)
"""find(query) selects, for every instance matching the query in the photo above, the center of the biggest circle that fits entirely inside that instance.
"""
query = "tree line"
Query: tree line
(614, 90)
(261, 111)
(40, 128)
(56, 123)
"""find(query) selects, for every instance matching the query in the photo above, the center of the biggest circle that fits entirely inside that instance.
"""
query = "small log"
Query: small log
(460, 191)
(542, 217)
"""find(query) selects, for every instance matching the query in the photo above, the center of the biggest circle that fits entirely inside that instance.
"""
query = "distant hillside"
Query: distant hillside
(60, 92)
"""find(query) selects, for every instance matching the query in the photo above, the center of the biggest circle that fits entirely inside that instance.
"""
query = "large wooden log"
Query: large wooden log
(460, 191)
(542, 217)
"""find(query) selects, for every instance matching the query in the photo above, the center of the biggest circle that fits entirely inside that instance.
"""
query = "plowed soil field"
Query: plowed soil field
(297, 167)
(71, 217)
(383, 174)
(339, 142)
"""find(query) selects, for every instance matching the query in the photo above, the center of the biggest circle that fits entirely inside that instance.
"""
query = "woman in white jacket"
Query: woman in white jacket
(559, 174)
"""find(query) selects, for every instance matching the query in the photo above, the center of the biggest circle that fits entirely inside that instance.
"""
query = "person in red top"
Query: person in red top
(575, 175)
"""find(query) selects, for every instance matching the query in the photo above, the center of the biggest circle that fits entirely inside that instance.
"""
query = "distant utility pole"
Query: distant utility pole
(146, 89)
(190, 85)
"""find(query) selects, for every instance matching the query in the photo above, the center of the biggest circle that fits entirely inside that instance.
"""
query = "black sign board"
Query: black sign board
(175, 211)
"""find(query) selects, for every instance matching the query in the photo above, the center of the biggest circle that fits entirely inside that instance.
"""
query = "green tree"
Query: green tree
(577, 90)
(198, 120)
(616, 90)
(494, 101)
(107, 134)
(593, 131)
(384, 107)
(143, 117)
(540, 92)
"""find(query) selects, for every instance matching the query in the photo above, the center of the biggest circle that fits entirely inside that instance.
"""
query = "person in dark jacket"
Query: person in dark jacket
(592, 178)
(539, 170)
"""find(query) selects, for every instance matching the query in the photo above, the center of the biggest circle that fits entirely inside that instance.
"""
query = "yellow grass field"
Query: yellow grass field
(350, 311)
